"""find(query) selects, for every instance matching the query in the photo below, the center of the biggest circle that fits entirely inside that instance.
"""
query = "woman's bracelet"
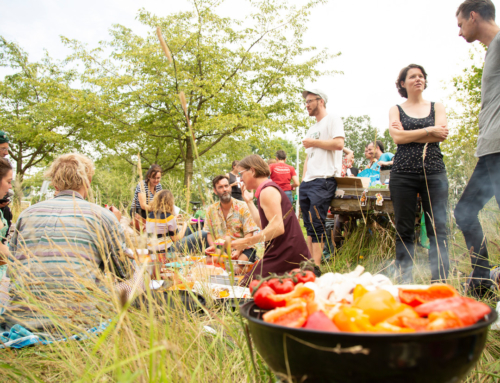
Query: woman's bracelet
(426, 131)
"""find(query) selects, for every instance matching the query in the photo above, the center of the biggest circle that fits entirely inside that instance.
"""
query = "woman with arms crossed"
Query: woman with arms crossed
(417, 126)
(286, 247)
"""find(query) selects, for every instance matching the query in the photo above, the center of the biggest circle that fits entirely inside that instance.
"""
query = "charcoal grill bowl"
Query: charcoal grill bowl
(430, 357)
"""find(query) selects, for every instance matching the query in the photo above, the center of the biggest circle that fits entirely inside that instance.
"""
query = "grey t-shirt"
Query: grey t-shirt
(488, 141)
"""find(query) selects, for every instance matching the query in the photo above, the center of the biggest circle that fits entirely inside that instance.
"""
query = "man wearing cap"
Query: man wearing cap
(324, 143)
(4, 202)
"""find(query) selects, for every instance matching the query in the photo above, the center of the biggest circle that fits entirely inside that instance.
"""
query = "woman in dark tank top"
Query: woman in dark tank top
(285, 245)
(233, 182)
(418, 126)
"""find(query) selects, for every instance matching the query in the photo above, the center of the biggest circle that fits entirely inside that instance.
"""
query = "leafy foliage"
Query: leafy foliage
(39, 109)
(461, 144)
(242, 80)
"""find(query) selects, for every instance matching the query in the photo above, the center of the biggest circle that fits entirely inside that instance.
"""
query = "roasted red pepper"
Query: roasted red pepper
(294, 315)
(266, 298)
(319, 321)
(416, 297)
(467, 309)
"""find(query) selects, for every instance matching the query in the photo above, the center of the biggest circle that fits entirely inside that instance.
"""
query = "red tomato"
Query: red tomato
(256, 283)
(282, 286)
(303, 276)
(319, 321)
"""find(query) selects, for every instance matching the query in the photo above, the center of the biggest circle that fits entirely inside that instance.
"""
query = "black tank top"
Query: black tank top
(408, 158)
(235, 190)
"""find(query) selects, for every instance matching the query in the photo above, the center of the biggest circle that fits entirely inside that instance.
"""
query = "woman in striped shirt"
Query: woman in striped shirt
(145, 192)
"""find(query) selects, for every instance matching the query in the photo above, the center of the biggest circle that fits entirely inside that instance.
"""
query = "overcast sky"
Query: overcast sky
(376, 39)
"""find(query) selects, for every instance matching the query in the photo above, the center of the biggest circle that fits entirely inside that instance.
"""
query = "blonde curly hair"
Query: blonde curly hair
(71, 172)
(163, 202)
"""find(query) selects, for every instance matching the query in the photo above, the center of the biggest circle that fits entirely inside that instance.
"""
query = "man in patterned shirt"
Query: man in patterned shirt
(229, 217)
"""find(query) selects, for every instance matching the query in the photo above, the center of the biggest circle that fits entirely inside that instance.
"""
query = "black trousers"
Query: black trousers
(483, 184)
(433, 190)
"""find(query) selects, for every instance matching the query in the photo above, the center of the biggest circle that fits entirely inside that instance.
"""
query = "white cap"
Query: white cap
(315, 91)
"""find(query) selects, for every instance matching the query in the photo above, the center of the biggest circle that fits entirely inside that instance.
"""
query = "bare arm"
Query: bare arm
(180, 234)
(295, 181)
(270, 202)
(304, 170)
(336, 143)
(4, 254)
(424, 135)
(347, 151)
(142, 202)
(248, 198)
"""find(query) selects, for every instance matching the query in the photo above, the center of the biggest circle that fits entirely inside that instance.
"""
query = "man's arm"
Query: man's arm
(304, 171)
(336, 143)
(295, 181)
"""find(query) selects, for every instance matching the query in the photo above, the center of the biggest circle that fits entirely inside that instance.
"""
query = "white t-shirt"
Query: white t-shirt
(324, 163)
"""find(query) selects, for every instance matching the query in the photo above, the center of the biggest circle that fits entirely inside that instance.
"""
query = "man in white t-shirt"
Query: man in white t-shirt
(324, 143)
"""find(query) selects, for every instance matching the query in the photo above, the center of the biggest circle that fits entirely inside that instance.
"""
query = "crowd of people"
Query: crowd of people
(59, 239)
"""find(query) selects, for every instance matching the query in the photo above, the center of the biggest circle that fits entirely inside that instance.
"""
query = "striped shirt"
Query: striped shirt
(162, 226)
(57, 248)
(145, 189)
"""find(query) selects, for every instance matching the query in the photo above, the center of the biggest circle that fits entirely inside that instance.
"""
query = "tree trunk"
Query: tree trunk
(18, 182)
(188, 164)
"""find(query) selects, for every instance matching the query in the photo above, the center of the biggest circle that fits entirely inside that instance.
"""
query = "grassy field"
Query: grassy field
(164, 343)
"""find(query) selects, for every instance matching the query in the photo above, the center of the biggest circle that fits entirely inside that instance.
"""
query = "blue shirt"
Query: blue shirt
(385, 157)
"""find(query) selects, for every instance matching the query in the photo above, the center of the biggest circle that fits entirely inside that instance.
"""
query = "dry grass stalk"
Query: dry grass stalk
(163, 45)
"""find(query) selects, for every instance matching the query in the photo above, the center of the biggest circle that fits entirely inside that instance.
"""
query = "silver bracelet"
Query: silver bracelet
(426, 131)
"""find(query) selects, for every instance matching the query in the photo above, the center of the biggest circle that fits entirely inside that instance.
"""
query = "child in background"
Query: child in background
(161, 222)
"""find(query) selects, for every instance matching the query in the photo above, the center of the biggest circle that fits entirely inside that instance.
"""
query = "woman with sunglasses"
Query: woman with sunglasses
(286, 247)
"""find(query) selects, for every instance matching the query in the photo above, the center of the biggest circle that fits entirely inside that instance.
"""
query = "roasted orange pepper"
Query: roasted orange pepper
(358, 292)
(443, 320)
(415, 297)
(390, 328)
(293, 315)
(418, 324)
(378, 305)
(403, 311)
(351, 319)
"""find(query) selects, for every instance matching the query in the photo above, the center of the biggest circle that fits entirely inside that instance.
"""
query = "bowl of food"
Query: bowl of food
(432, 339)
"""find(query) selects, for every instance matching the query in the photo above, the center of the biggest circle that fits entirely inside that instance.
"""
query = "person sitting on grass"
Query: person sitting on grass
(67, 254)
(161, 222)
(229, 217)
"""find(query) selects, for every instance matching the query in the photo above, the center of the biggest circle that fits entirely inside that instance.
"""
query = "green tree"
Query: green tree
(389, 144)
(460, 146)
(358, 132)
(39, 109)
(242, 80)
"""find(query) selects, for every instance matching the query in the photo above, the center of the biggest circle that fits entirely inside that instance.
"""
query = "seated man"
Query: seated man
(229, 217)
(383, 161)
(68, 254)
